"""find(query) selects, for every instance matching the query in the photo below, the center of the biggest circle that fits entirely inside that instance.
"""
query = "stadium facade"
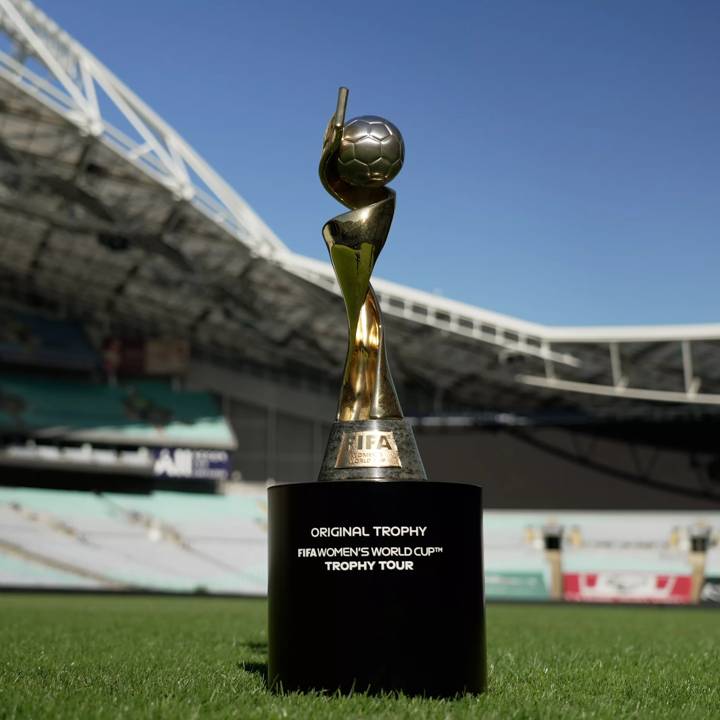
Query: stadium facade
(110, 220)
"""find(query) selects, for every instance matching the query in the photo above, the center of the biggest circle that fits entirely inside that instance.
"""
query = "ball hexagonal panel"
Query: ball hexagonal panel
(371, 152)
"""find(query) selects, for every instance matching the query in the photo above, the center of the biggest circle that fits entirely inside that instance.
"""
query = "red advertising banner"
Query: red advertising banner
(629, 587)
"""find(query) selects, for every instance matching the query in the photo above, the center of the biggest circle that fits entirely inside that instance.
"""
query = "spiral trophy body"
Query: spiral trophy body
(370, 439)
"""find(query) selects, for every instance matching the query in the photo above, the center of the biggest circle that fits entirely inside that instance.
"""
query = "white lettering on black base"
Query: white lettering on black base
(357, 554)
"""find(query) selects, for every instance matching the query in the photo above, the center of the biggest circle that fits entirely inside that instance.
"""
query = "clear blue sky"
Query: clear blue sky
(562, 158)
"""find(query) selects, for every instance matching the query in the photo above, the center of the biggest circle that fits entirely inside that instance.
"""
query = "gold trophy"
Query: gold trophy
(358, 570)
(370, 439)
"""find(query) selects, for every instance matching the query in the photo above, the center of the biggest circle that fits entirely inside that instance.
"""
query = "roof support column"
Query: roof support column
(692, 384)
(619, 380)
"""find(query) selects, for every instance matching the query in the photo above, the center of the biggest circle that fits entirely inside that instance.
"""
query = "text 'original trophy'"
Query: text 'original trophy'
(376, 576)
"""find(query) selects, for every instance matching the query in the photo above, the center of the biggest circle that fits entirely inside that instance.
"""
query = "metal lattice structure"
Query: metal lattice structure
(107, 213)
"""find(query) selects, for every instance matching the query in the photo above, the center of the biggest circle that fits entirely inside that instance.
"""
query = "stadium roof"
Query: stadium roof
(106, 210)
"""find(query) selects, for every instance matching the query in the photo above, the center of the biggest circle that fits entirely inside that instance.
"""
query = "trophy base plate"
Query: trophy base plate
(376, 587)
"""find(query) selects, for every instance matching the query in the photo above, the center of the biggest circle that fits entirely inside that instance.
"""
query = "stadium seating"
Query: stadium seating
(133, 412)
(167, 541)
(31, 340)
(17, 572)
(218, 544)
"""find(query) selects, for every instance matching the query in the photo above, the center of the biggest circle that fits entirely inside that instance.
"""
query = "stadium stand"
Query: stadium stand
(207, 269)
(124, 258)
(177, 542)
(167, 541)
(138, 412)
(19, 572)
(30, 340)
(123, 433)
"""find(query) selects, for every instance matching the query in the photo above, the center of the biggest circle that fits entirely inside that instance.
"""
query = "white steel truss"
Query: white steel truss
(75, 82)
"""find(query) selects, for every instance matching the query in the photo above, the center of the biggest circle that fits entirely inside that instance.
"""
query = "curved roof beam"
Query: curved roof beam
(76, 79)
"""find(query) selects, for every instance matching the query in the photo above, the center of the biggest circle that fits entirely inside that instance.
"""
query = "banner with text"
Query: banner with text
(627, 587)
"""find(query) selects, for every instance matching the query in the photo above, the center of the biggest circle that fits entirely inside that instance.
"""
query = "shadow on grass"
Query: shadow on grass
(258, 647)
(256, 668)
(260, 669)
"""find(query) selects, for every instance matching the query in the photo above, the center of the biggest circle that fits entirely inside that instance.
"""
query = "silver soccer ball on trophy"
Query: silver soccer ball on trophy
(371, 151)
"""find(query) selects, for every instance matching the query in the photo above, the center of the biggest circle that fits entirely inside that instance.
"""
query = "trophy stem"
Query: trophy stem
(355, 240)
(368, 391)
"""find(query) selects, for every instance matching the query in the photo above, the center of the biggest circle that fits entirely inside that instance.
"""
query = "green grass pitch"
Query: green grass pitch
(163, 657)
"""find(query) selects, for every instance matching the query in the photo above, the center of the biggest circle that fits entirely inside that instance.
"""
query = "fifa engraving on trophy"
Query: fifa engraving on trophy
(368, 449)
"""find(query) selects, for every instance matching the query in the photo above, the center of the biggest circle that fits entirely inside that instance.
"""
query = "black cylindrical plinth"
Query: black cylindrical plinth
(376, 586)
